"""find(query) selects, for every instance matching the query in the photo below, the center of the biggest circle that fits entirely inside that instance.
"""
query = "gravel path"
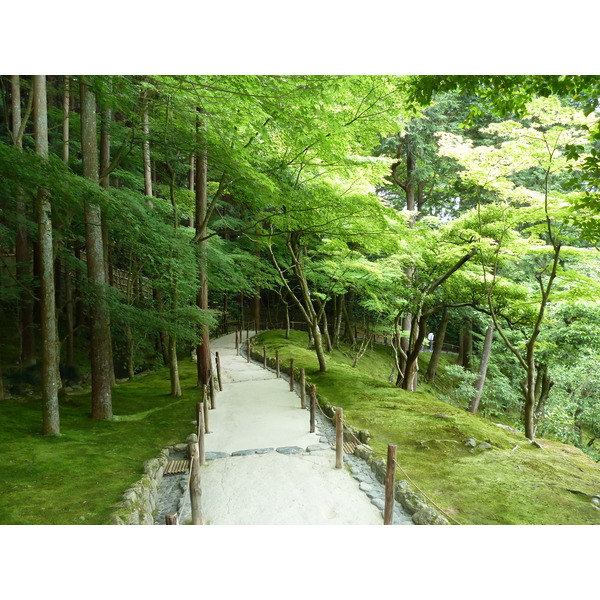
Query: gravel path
(264, 467)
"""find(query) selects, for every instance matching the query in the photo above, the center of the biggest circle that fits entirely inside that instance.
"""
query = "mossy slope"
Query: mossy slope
(512, 483)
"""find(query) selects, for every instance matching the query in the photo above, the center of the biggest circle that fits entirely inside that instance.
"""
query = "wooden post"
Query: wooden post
(248, 331)
(313, 400)
(291, 374)
(205, 405)
(218, 362)
(388, 514)
(199, 410)
(201, 445)
(172, 519)
(277, 363)
(339, 438)
(264, 357)
(213, 393)
(302, 388)
(195, 483)
(237, 342)
(247, 349)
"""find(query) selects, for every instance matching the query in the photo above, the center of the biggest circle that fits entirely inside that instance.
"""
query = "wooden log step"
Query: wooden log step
(348, 447)
(177, 466)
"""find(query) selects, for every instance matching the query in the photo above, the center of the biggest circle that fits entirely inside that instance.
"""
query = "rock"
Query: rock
(365, 487)
(441, 416)
(191, 438)
(411, 502)
(596, 500)
(472, 442)
(428, 516)
(485, 446)
(316, 447)
(264, 450)
(378, 502)
(215, 455)
(243, 452)
(290, 450)
(180, 447)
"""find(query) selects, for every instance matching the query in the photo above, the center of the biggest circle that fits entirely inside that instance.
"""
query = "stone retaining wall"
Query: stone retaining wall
(139, 501)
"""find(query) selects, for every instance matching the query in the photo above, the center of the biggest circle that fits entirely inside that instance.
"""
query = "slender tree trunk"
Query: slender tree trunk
(256, 308)
(349, 330)
(48, 325)
(203, 350)
(467, 358)
(483, 365)
(66, 117)
(437, 347)
(339, 313)
(70, 318)
(23, 256)
(192, 179)
(105, 183)
(69, 295)
(146, 149)
(99, 317)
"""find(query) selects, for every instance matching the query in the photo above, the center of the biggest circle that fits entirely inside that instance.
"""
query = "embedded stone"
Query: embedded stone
(472, 442)
(428, 516)
(243, 452)
(485, 446)
(215, 455)
(290, 450)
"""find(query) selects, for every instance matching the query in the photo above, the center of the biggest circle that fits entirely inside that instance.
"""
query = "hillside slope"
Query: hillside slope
(506, 480)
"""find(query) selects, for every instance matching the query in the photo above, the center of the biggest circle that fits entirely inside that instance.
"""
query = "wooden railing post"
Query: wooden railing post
(172, 519)
(218, 363)
(277, 363)
(264, 357)
(313, 401)
(339, 438)
(205, 405)
(388, 513)
(247, 349)
(248, 331)
(199, 410)
(237, 342)
(195, 491)
(213, 393)
(201, 444)
(291, 374)
(302, 388)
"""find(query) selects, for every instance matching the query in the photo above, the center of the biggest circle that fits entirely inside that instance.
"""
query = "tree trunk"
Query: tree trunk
(467, 356)
(48, 325)
(483, 365)
(105, 183)
(99, 317)
(437, 348)
(23, 256)
(203, 350)
(146, 150)
(174, 368)
(349, 331)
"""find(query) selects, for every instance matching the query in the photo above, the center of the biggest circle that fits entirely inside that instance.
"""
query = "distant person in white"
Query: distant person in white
(430, 338)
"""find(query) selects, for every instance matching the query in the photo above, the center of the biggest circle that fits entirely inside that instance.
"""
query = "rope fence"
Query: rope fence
(391, 459)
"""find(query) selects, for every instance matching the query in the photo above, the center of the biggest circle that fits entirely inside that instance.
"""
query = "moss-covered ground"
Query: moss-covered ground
(514, 482)
(78, 476)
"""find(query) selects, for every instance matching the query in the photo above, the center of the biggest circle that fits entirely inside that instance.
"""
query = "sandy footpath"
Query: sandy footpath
(256, 411)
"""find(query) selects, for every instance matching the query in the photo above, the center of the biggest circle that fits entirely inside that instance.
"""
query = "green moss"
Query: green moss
(80, 475)
(502, 485)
